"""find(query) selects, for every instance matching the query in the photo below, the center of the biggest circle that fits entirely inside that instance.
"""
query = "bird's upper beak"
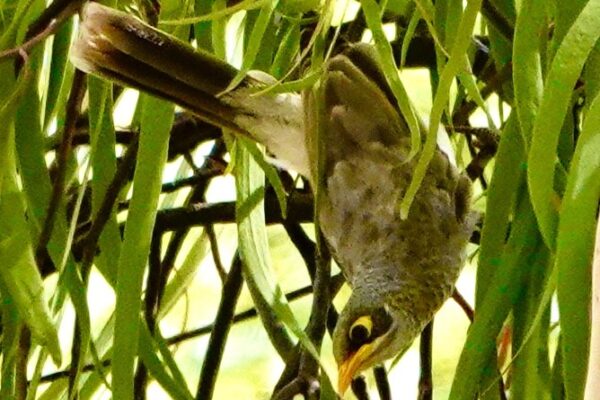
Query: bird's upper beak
(353, 365)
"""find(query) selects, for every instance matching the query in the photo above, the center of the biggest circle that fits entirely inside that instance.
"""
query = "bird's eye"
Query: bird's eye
(361, 329)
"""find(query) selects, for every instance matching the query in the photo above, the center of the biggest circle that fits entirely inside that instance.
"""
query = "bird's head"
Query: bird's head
(369, 331)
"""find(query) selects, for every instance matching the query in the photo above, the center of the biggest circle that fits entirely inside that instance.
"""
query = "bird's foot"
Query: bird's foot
(307, 386)
(301, 377)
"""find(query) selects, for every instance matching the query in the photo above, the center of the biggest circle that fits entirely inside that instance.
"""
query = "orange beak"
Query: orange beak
(352, 366)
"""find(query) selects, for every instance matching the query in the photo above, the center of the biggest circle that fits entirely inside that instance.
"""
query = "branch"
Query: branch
(466, 307)
(497, 20)
(218, 337)
(300, 209)
(73, 109)
(382, 383)
(426, 380)
(336, 283)
(187, 132)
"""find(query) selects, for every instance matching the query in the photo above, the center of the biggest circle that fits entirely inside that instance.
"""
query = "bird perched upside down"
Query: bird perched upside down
(401, 270)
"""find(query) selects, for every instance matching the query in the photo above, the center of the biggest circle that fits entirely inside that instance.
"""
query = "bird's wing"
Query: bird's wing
(367, 171)
(362, 114)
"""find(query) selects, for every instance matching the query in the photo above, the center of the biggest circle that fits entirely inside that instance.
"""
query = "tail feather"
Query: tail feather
(122, 48)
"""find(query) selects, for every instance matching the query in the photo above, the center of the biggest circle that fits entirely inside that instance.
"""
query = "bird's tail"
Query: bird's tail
(120, 47)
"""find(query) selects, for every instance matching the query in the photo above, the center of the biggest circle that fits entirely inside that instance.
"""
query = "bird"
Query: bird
(400, 269)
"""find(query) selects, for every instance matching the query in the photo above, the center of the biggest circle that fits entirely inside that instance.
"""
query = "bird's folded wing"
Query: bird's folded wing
(362, 114)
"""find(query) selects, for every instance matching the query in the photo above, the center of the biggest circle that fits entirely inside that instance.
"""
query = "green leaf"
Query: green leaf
(373, 17)
(104, 165)
(427, 10)
(408, 35)
(218, 13)
(10, 342)
(267, 295)
(527, 70)
(470, 86)
(183, 277)
(524, 247)
(507, 175)
(157, 117)
(451, 70)
(269, 171)
(574, 249)
(531, 365)
(500, 201)
(175, 387)
(21, 282)
(8, 106)
(254, 42)
(564, 72)
(287, 49)
(60, 73)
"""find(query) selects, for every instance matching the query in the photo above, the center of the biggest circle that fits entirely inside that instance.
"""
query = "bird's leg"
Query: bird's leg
(301, 376)
(485, 140)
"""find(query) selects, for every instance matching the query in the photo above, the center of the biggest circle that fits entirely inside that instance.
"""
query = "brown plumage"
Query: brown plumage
(401, 271)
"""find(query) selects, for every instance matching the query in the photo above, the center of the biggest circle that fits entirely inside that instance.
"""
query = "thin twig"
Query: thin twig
(382, 383)
(160, 270)
(336, 282)
(91, 243)
(72, 112)
(58, 11)
(177, 239)
(36, 35)
(200, 176)
(21, 362)
(304, 377)
(214, 249)
(466, 307)
(359, 388)
(300, 209)
(187, 132)
(497, 20)
(76, 357)
(106, 207)
(140, 380)
(425, 379)
(40, 37)
(218, 337)
(305, 246)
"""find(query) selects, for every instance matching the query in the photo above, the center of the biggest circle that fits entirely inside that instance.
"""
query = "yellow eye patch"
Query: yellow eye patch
(361, 329)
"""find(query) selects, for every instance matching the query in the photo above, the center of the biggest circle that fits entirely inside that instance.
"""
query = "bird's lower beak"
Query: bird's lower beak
(352, 366)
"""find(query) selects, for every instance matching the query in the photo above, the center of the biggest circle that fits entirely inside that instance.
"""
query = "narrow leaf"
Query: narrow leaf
(564, 72)
(574, 251)
(157, 117)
